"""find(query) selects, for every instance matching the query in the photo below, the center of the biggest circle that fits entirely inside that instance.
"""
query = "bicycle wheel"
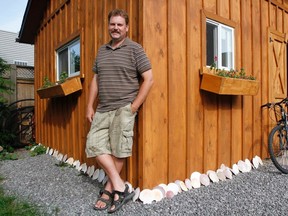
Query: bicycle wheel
(278, 148)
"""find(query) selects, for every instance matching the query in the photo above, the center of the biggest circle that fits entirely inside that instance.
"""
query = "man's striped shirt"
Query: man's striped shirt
(118, 73)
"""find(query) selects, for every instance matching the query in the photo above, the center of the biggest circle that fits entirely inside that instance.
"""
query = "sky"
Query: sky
(11, 14)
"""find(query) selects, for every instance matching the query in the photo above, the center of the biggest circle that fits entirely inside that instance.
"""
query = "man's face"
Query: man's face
(117, 28)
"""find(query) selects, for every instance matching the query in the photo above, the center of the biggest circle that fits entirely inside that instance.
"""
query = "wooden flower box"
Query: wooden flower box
(228, 86)
(68, 87)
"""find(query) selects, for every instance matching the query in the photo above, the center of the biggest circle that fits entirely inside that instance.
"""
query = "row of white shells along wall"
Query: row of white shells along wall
(161, 191)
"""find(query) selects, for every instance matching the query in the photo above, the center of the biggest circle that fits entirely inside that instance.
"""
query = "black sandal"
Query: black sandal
(123, 198)
(108, 201)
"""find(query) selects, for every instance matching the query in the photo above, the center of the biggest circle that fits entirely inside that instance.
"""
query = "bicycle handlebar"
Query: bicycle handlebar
(266, 105)
(285, 100)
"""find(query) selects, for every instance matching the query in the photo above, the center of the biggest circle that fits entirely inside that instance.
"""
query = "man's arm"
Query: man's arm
(93, 92)
(144, 90)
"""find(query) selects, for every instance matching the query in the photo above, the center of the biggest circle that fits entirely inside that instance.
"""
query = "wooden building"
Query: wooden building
(180, 128)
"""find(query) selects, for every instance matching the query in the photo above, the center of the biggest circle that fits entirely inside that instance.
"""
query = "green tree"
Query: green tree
(6, 136)
(5, 84)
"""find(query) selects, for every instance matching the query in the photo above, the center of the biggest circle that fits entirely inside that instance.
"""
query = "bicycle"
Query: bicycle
(278, 136)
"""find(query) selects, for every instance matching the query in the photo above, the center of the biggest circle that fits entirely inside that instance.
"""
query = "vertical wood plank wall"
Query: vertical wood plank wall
(204, 129)
(180, 128)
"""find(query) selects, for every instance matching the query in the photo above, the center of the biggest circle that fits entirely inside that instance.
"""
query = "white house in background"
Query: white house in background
(14, 52)
(21, 58)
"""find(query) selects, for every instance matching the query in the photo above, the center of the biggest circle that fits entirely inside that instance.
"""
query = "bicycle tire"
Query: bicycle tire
(278, 148)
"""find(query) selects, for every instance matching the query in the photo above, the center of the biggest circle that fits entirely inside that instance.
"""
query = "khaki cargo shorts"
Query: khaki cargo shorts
(111, 133)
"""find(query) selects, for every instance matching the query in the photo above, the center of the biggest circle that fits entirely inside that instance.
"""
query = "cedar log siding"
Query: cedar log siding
(180, 128)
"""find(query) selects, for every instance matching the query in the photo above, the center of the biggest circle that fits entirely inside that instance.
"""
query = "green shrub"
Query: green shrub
(5, 155)
(37, 150)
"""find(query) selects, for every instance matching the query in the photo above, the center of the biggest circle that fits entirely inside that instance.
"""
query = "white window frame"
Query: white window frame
(218, 50)
(67, 46)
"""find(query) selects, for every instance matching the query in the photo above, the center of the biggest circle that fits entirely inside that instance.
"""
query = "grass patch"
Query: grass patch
(63, 164)
(10, 206)
(5, 155)
(36, 149)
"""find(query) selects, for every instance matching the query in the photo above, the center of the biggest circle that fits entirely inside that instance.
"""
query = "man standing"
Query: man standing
(116, 83)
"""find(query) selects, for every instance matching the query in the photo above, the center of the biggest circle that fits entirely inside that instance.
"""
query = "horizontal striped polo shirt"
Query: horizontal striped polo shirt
(118, 73)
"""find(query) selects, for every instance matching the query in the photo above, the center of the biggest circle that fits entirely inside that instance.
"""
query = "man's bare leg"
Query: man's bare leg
(103, 161)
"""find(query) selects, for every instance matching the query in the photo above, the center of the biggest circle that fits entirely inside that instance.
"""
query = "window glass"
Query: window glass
(75, 58)
(227, 47)
(63, 61)
(68, 59)
(211, 43)
(219, 45)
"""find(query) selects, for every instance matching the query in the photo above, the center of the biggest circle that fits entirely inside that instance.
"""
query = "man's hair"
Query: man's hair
(119, 12)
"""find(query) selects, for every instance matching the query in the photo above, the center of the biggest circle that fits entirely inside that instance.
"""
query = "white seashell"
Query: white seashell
(161, 189)
(242, 166)
(88, 170)
(101, 175)
(195, 175)
(183, 186)
(55, 153)
(157, 195)
(164, 186)
(177, 182)
(106, 179)
(227, 173)
(146, 196)
(83, 168)
(248, 165)
(75, 162)
(92, 170)
(204, 179)
(188, 184)
(259, 160)
(221, 175)
(195, 182)
(70, 161)
(60, 157)
(255, 162)
(170, 194)
(77, 165)
(213, 176)
(209, 171)
(235, 169)
(129, 186)
(51, 151)
(223, 167)
(64, 158)
(136, 195)
(173, 187)
(95, 174)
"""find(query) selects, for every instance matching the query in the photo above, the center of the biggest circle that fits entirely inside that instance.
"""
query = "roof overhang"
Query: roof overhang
(31, 21)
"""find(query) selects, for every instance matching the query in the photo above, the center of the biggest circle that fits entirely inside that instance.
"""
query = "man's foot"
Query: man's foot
(104, 200)
(120, 198)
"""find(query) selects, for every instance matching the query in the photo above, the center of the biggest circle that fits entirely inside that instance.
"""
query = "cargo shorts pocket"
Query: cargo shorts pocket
(127, 141)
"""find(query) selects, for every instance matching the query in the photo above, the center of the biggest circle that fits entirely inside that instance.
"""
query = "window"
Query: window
(219, 45)
(68, 59)
(20, 63)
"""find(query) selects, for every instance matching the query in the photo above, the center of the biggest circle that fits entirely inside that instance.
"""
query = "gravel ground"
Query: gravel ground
(63, 191)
